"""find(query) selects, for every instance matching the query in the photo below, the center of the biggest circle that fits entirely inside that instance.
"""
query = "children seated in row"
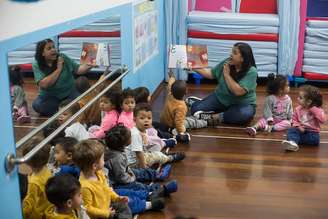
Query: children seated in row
(35, 202)
(137, 152)
(139, 201)
(98, 197)
(306, 120)
(278, 109)
(19, 103)
(121, 175)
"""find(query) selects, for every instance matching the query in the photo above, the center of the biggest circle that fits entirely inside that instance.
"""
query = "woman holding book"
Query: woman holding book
(234, 99)
(54, 75)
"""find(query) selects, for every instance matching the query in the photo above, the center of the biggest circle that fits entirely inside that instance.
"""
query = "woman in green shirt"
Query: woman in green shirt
(234, 99)
(54, 74)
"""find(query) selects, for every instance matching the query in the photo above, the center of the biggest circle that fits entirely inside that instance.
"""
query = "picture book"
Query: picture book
(96, 54)
(188, 56)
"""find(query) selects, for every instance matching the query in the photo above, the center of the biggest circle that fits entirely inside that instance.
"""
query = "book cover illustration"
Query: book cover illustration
(188, 56)
(96, 54)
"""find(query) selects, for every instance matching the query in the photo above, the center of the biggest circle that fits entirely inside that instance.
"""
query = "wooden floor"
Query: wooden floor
(227, 174)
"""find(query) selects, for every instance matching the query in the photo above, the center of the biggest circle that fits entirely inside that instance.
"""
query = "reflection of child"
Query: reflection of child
(306, 119)
(20, 111)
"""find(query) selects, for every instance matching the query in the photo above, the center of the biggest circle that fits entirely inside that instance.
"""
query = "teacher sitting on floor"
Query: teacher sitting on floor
(234, 99)
(54, 75)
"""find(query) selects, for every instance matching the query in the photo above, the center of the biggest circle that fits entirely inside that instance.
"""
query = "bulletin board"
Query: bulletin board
(145, 32)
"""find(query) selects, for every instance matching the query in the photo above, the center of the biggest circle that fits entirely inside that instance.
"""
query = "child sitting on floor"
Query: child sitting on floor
(137, 153)
(20, 110)
(64, 149)
(109, 103)
(278, 109)
(35, 203)
(157, 138)
(306, 120)
(64, 192)
(75, 129)
(127, 105)
(98, 197)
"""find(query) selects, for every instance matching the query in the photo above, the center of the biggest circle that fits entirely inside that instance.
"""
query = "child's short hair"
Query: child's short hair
(126, 93)
(118, 137)
(141, 107)
(67, 144)
(82, 84)
(179, 89)
(312, 93)
(50, 129)
(15, 75)
(73, 109)
(39, 159)
(114, 95)
(276, 83)
(141, 95)
(61, 188)
(87, 152)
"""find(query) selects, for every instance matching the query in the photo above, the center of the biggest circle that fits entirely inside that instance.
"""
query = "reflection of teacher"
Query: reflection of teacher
(234, 99)
(53, 74)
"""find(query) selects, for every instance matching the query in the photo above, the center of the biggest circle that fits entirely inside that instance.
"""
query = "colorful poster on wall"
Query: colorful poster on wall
(145, 32)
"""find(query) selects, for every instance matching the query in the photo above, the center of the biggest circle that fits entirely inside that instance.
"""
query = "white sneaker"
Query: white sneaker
(204, 115)
(290, 145)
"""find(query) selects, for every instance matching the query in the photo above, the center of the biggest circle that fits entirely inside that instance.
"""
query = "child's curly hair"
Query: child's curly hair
(276, 83)
(312, 93)
(118, 137)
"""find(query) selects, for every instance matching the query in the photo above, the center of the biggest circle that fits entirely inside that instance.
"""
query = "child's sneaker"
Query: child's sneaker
(191, 100)
(23, 119)
(164, 172)
(183, 138)
(170, 143)
(290, 145)
(157, 204)
(268, 128)
(204, 115)
(251, 131)
(170, 187)
(177, 156)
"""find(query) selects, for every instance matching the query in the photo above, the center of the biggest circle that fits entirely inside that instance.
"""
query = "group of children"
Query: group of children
(113, 169)
(302, 125)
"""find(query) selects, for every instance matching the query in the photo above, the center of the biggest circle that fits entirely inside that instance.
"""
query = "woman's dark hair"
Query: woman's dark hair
(141, 95)
(276, 83)
(312, 93)
(118, 137)
(61, 188)
(249, 61)
(40, 58)
(15, 76)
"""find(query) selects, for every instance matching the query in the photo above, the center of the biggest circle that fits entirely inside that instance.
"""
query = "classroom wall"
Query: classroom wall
(151, 74)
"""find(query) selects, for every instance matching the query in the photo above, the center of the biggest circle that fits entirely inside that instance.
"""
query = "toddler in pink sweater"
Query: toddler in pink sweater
(306, 119)
(109, 104)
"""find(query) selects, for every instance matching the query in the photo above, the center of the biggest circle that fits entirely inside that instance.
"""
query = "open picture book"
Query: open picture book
(96, 54)
(187, 56)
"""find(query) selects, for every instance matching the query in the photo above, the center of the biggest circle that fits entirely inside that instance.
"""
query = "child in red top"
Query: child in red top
(306, 119)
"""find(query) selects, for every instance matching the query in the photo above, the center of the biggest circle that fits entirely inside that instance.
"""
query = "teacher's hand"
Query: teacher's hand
(226, 69)
(60, 63)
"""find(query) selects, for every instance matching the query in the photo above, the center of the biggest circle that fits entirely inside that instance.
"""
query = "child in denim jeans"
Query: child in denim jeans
(306, 119)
